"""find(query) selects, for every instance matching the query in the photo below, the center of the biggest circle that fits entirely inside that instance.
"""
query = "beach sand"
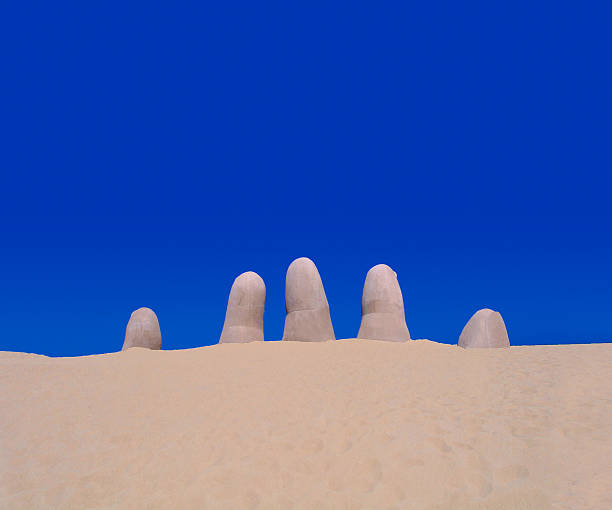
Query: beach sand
(348, 424)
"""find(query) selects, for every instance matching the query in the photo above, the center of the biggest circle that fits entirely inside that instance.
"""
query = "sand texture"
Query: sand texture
(350, 424)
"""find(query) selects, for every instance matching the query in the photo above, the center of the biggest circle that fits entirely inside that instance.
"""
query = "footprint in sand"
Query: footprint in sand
(478, 484)
(365, 474)
(312, 445)
(510, 473)
(440, 444)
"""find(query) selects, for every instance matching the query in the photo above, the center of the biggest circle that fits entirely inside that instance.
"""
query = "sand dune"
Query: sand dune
(350, 424)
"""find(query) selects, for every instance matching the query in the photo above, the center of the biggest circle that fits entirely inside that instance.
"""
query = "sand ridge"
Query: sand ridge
(348, 424)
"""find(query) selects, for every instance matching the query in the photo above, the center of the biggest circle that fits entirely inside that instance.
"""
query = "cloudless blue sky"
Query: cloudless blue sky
(151, 153)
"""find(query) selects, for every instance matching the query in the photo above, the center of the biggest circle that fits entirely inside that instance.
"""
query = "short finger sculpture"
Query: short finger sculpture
(486, 328)
(245, 310)
(382, 307)
(308, 318)
(143, 330)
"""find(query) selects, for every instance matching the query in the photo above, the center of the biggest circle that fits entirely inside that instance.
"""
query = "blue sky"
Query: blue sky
(152, 154)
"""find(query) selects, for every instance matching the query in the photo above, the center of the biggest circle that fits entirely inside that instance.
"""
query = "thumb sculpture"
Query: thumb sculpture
(308, 318)
(245, 310)
(142, 330)
(486, 328)
(382, 307)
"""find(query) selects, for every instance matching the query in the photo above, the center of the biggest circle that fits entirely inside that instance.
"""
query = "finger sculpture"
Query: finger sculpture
(142, 330)
(486, 328)
(308, 318)
(382, 307)
(245, 310)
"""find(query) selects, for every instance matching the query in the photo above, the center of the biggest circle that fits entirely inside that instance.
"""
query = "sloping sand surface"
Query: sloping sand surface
(351, 424)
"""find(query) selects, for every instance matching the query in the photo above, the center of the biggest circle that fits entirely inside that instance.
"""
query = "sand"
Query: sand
(350, 424)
